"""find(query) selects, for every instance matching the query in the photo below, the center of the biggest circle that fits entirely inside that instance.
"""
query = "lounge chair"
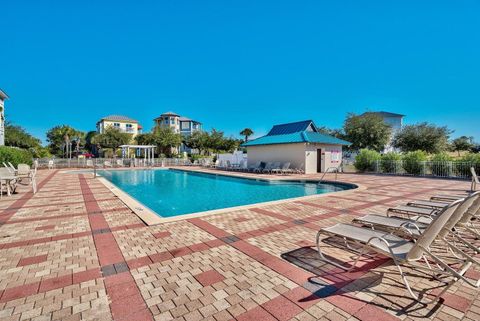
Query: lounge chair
(285, 168)
(10, 170)
(107, 164)
(241, 166)
(51, 164)
(453, 238)
(403, 252)
(299, 170)
(437, 205)
(14, 170)
(253, 167)
(10, 184)
(276, 167)
(412, 210)
(425, 208)
(415, 226)
(270, 165)
(448, 197)
(89, 163)
(119, 162)
(24, 171)
(260, 168)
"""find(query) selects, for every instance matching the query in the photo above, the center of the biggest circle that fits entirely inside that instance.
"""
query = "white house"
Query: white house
(393, 120)
(3, 97)
(300, 144)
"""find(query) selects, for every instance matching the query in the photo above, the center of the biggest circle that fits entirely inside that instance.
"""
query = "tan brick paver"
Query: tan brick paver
(49, 270)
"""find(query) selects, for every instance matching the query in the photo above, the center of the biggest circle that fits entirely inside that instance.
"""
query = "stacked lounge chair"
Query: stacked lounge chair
(427, 241)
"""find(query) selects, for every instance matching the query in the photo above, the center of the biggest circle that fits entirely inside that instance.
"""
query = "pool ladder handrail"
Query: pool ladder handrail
(335, 170)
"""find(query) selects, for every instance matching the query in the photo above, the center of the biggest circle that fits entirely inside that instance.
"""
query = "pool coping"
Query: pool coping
(150, 217)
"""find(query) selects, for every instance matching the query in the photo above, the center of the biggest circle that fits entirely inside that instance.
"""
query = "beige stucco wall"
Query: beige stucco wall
(299, 155)
(327, 153)
(293, 153)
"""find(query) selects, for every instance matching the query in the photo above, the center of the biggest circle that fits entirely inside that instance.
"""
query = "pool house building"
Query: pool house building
(299, 143)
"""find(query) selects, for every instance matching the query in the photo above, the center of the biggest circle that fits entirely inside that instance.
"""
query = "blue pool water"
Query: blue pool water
(175, 192)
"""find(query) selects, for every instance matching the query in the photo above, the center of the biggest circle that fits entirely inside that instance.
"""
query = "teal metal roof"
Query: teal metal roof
(295, 133)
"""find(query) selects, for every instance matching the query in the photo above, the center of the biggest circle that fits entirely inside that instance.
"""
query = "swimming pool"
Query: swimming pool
(171, 192)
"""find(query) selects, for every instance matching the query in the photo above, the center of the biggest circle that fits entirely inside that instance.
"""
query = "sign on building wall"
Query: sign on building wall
(336, 156)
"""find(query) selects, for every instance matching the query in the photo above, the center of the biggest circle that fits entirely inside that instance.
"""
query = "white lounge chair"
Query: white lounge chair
(253, 167)
(437, 205)
(14, 170)
(24, 171)
(51, 164)
(284, 169)
(415, 226)
(403, 252)
(275, 165)
(299, 170)
(7, 181)
(107, 164)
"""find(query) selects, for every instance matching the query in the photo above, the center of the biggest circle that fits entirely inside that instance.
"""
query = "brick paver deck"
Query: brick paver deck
(73, 251)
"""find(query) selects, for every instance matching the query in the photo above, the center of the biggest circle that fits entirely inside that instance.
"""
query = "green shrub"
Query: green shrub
(414, 162)
(366, 160)
(15, 156)
(441, 165)
(467, 161)
(391, 163)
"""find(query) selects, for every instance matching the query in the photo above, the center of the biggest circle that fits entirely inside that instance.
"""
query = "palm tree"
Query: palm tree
(246, 132)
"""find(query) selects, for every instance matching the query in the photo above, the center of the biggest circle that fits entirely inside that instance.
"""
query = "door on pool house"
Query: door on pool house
(320, 160)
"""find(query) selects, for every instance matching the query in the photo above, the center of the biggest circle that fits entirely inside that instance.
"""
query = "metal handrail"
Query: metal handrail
(335, 170)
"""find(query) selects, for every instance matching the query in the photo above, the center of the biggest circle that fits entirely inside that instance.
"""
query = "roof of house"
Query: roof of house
(169, 113)
(188, 119)
(119, 118)
(3, 94)
(289, 128)
(383, 114)
(297, 132)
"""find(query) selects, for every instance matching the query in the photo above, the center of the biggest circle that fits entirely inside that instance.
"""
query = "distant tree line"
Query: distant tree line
(369, 131)
(165, 139)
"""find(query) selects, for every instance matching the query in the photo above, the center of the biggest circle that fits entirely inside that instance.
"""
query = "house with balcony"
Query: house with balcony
(179, 124)
(122, 123)
(3, 97)
(395, 121)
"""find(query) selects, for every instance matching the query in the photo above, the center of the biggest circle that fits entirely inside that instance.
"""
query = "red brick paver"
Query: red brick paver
(73, 251)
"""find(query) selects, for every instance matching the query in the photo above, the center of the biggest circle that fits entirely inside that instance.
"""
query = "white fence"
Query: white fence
(234, 158)
(426, 168)
(114, 162)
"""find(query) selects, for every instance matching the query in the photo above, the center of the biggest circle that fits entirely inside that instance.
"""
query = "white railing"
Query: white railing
(425, 168)
(114, 162)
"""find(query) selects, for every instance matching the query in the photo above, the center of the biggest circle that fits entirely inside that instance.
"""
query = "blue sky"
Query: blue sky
(236, 64)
